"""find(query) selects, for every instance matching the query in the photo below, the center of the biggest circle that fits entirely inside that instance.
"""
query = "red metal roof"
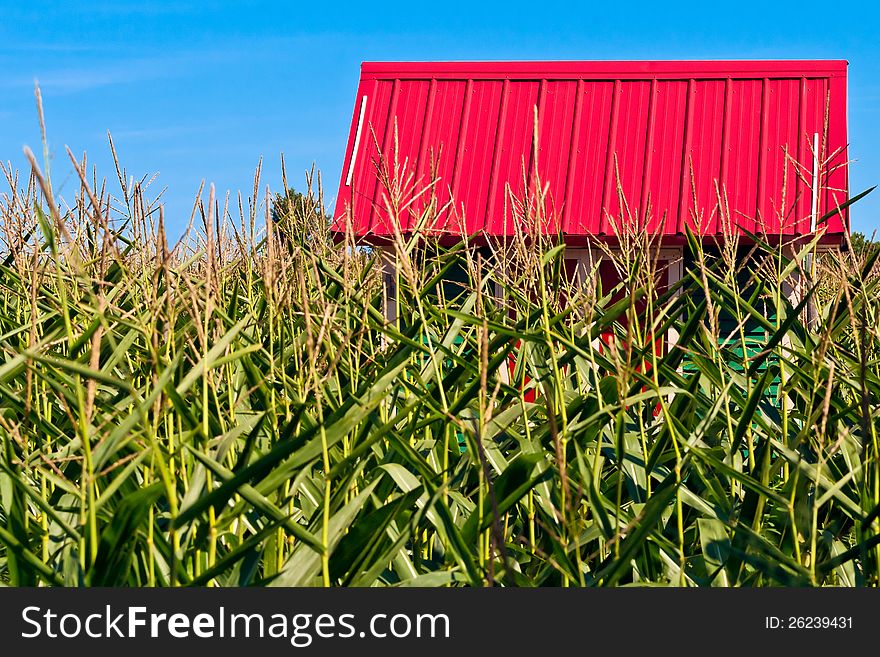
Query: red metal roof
(673, 132)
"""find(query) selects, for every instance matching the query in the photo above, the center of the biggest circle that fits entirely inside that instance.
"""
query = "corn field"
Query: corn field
(236, 408)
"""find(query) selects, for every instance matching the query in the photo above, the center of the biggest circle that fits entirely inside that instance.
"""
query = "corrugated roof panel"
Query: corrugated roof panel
(777, 203)
(513, 154)
(739, 181)
(365, 182)
(809, 121)
(699, 195)
(624, 182)
(440, 142)
(406, 129)
(813, 94)
(586, 180)
(555, 130)
(834, 152)
(666, 148)
(473, 166)
(671, 134)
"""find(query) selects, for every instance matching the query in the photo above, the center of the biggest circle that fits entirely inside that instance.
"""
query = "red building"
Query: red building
(668, 138)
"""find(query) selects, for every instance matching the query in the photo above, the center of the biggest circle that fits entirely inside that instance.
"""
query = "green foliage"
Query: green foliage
(238, 411)
(299, 218)
(862, 245)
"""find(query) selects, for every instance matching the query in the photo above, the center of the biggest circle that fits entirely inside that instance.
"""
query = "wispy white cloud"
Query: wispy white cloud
(41, 47)
(76, 79)
(167, 132)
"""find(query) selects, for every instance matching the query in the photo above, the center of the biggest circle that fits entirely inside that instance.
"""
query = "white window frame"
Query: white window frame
(590, 257)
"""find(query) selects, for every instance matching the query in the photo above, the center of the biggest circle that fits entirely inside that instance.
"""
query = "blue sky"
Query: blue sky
(202, 90)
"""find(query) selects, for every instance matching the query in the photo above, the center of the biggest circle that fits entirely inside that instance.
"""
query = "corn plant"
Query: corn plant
(238, 408)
